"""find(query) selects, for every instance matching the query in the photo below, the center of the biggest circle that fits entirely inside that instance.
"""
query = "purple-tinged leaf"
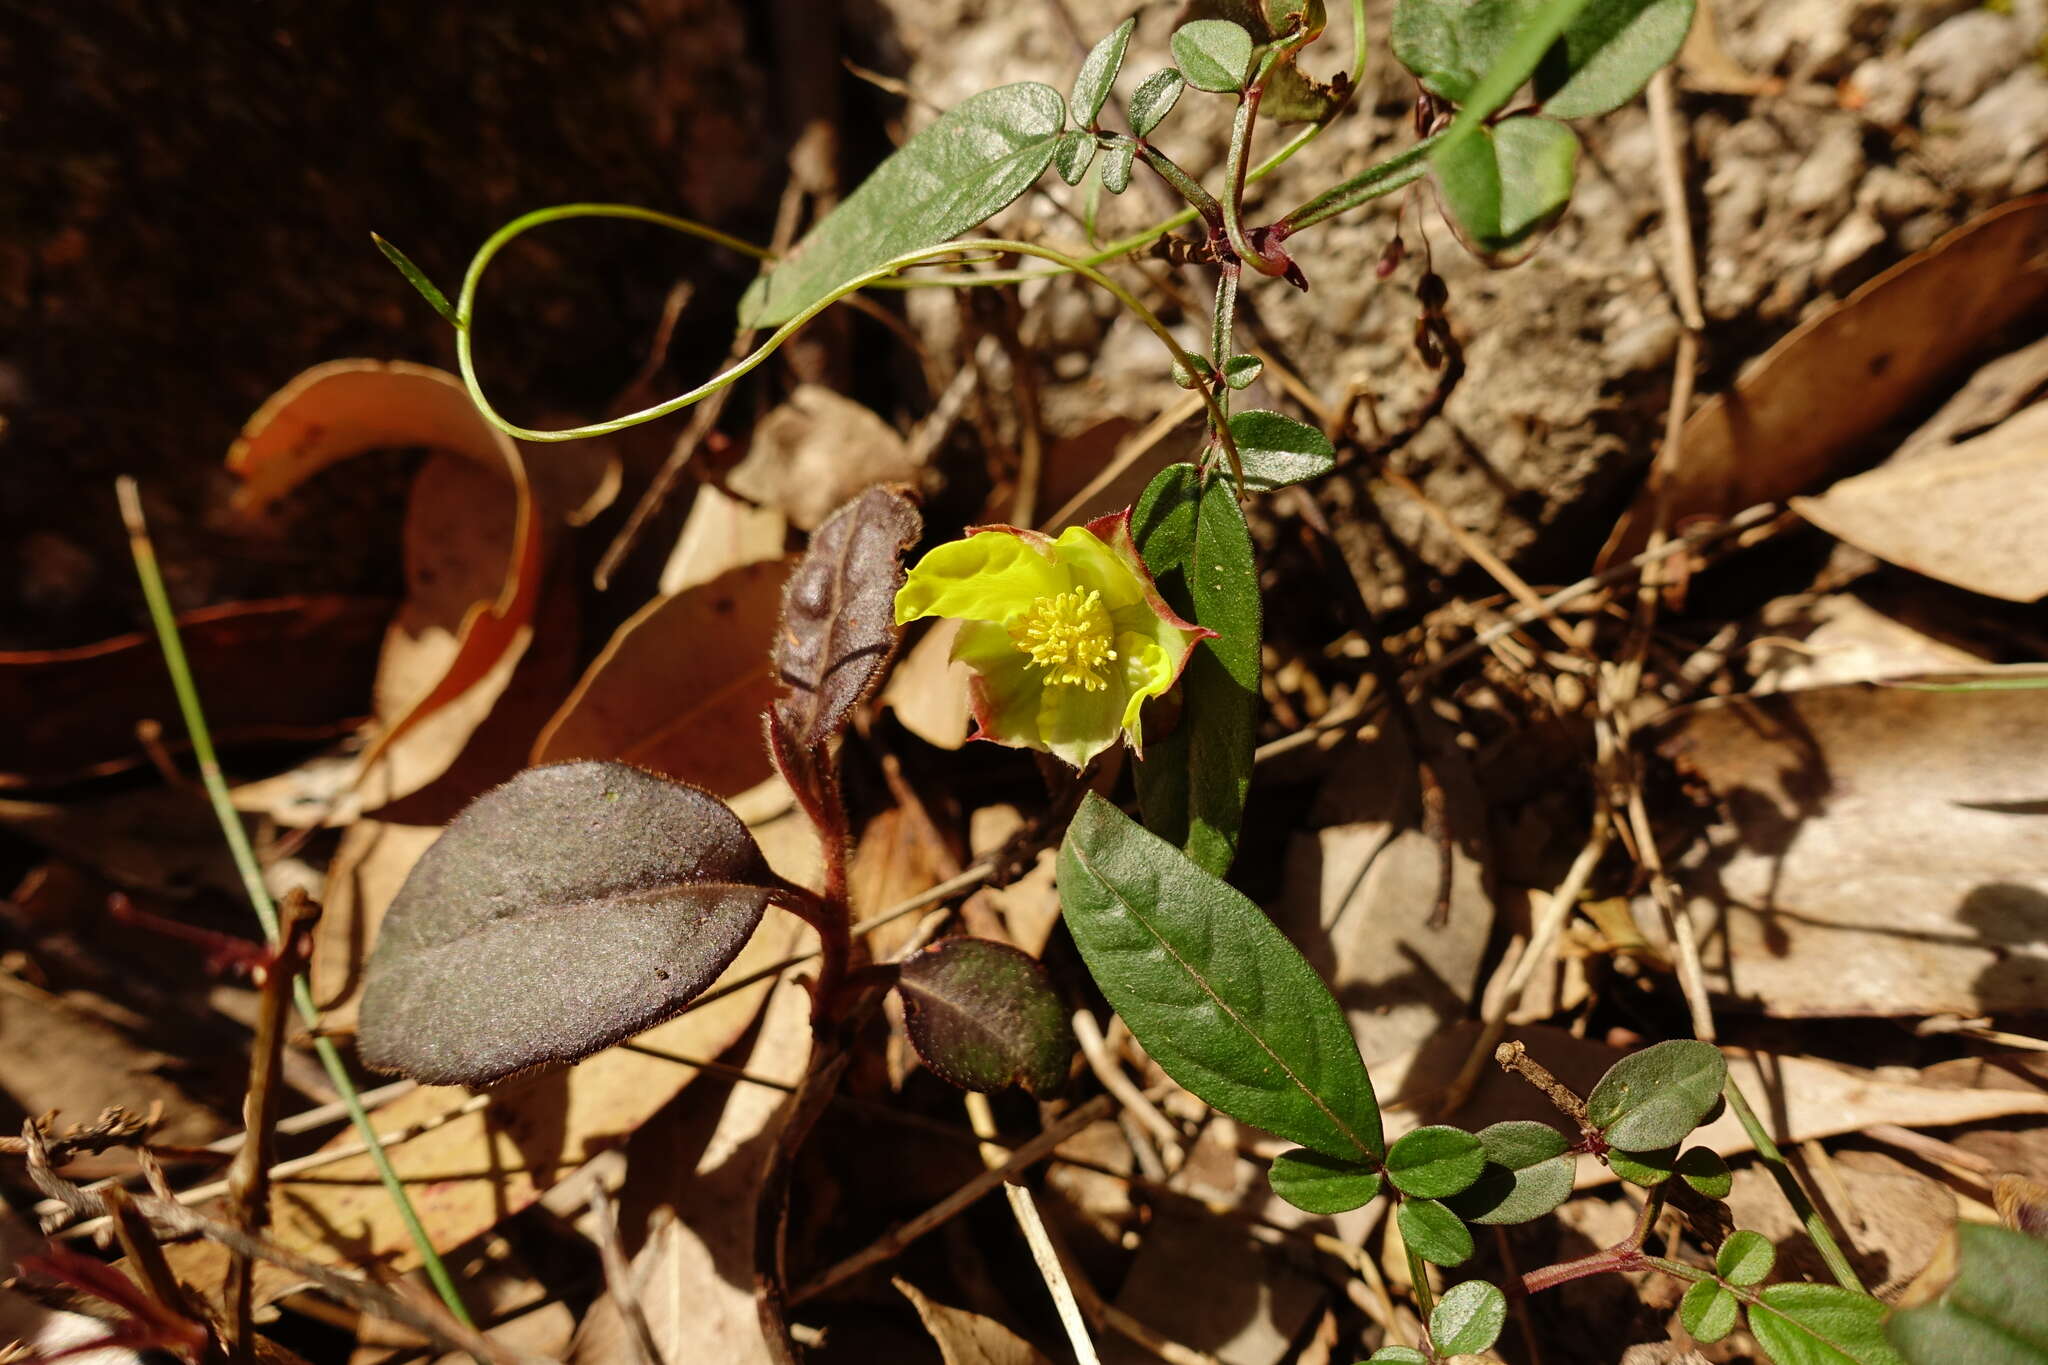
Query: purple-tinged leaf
(984, 1015)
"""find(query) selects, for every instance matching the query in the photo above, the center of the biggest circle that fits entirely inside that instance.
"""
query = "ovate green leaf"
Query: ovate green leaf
(1468, 1318)
(1277, 450)
(1098, 74)
(1218, 996)
(984, 1015)
(1214, 54)
(1074, 155)
(1995, 1311)
(1705, 1171)
(573, 907)
(1745, 1258)
(1506, 183)
(1643, 1168)
(1653, 1098)
(1435, 1161)
(1708, 1311)
(1433, 1232)
(1320, 1184)
(1194, 778)
(1154, 100)
(1397, 1355)
(1824, 1324)
(1609, 53)
(954, 175)
(1116, 165)
(1241, 372)
(1528, 1172)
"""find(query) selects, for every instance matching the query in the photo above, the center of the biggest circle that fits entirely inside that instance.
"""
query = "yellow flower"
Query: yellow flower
(1067, 637)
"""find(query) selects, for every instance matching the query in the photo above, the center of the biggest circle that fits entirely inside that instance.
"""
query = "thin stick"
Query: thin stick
(1048, 1262)
(237, 838)
(1096, 1049)
(618, 1277)
(957, 1202)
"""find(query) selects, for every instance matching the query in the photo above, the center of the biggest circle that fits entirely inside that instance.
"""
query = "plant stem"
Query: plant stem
(1241, 126)
(1396, 172)
(166, 624)
(1817, 1230)
(1425, 1299)
(1185, 185)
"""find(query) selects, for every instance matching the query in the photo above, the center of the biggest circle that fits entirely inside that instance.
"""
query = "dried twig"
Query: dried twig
(618, 1277)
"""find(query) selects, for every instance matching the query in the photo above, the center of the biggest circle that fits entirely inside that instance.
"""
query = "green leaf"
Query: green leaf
(1708, 1311)
(1278, 451)
(1223, 1002)
(1528, 1172)
(1320, 1184)
(955, 175)
(1074, 155)
(1653, 1098)
(984, 1015)
(1506, 183)
(1824, 1324)
(417, 278)
(1241, 372)
(1468, 1318)
(1098, 74)
(1397, 1355)
(1155, 99)
(1609, 53)
(1643, 1168)
(1994, 1311)
(1704, 1170)
(1116, 165)
(1193, 780)
(1214, 54)
(1604, 55)
(573, 907)
(1433, 1232)
(1745, 1258)
(1435, 1161)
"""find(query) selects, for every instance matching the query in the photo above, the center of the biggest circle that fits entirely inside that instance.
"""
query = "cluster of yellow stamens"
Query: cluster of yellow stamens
(1069, 636)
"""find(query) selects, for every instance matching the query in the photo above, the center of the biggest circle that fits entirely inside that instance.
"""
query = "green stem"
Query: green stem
(1185, 185)
(166, 624)
(1817, 1230)
(1240, 157)
(465, 351)
(1425, 1300)
(1402, 169)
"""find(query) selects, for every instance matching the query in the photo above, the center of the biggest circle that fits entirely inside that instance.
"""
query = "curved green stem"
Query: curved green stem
(1396, 172)
(499, 240)
(1185, 185)
(1240, 157)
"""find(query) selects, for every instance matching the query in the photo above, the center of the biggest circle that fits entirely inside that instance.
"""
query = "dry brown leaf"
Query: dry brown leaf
(816, 451)
(928, 691)
(370, 864)
(721, 533)
(1024, 912)
(471, 1172)
(1814, 642)
(1805, 408)
(681, 687)
(1888, 853)
(1968, 514)
(898, 855)
(1202, 1280)
(692, 1277)
(1995, 392)
(446, 645)
(966, 1338)
(1892, 1216)
(1360, 892)
(74, 710)
(1705, 65)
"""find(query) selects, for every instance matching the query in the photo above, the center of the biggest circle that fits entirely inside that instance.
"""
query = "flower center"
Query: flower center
(1069, 637)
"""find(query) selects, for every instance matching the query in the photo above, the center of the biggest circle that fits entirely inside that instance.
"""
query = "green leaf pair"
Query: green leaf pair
(1503, 183)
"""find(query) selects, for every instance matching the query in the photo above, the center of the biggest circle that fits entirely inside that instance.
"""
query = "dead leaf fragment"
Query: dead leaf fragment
(681, 687)
(1889, 851)
(721, 533)
(1969, 514)
(966, 1338)
(928, 690)
(814, 452)
(1806, 406)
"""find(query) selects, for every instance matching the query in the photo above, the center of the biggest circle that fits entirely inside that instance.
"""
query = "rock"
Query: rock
(1884, 91)
(1967, 55)
(2002, 148)
(1849, 248)
(1825, 182)
(1891, 195)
